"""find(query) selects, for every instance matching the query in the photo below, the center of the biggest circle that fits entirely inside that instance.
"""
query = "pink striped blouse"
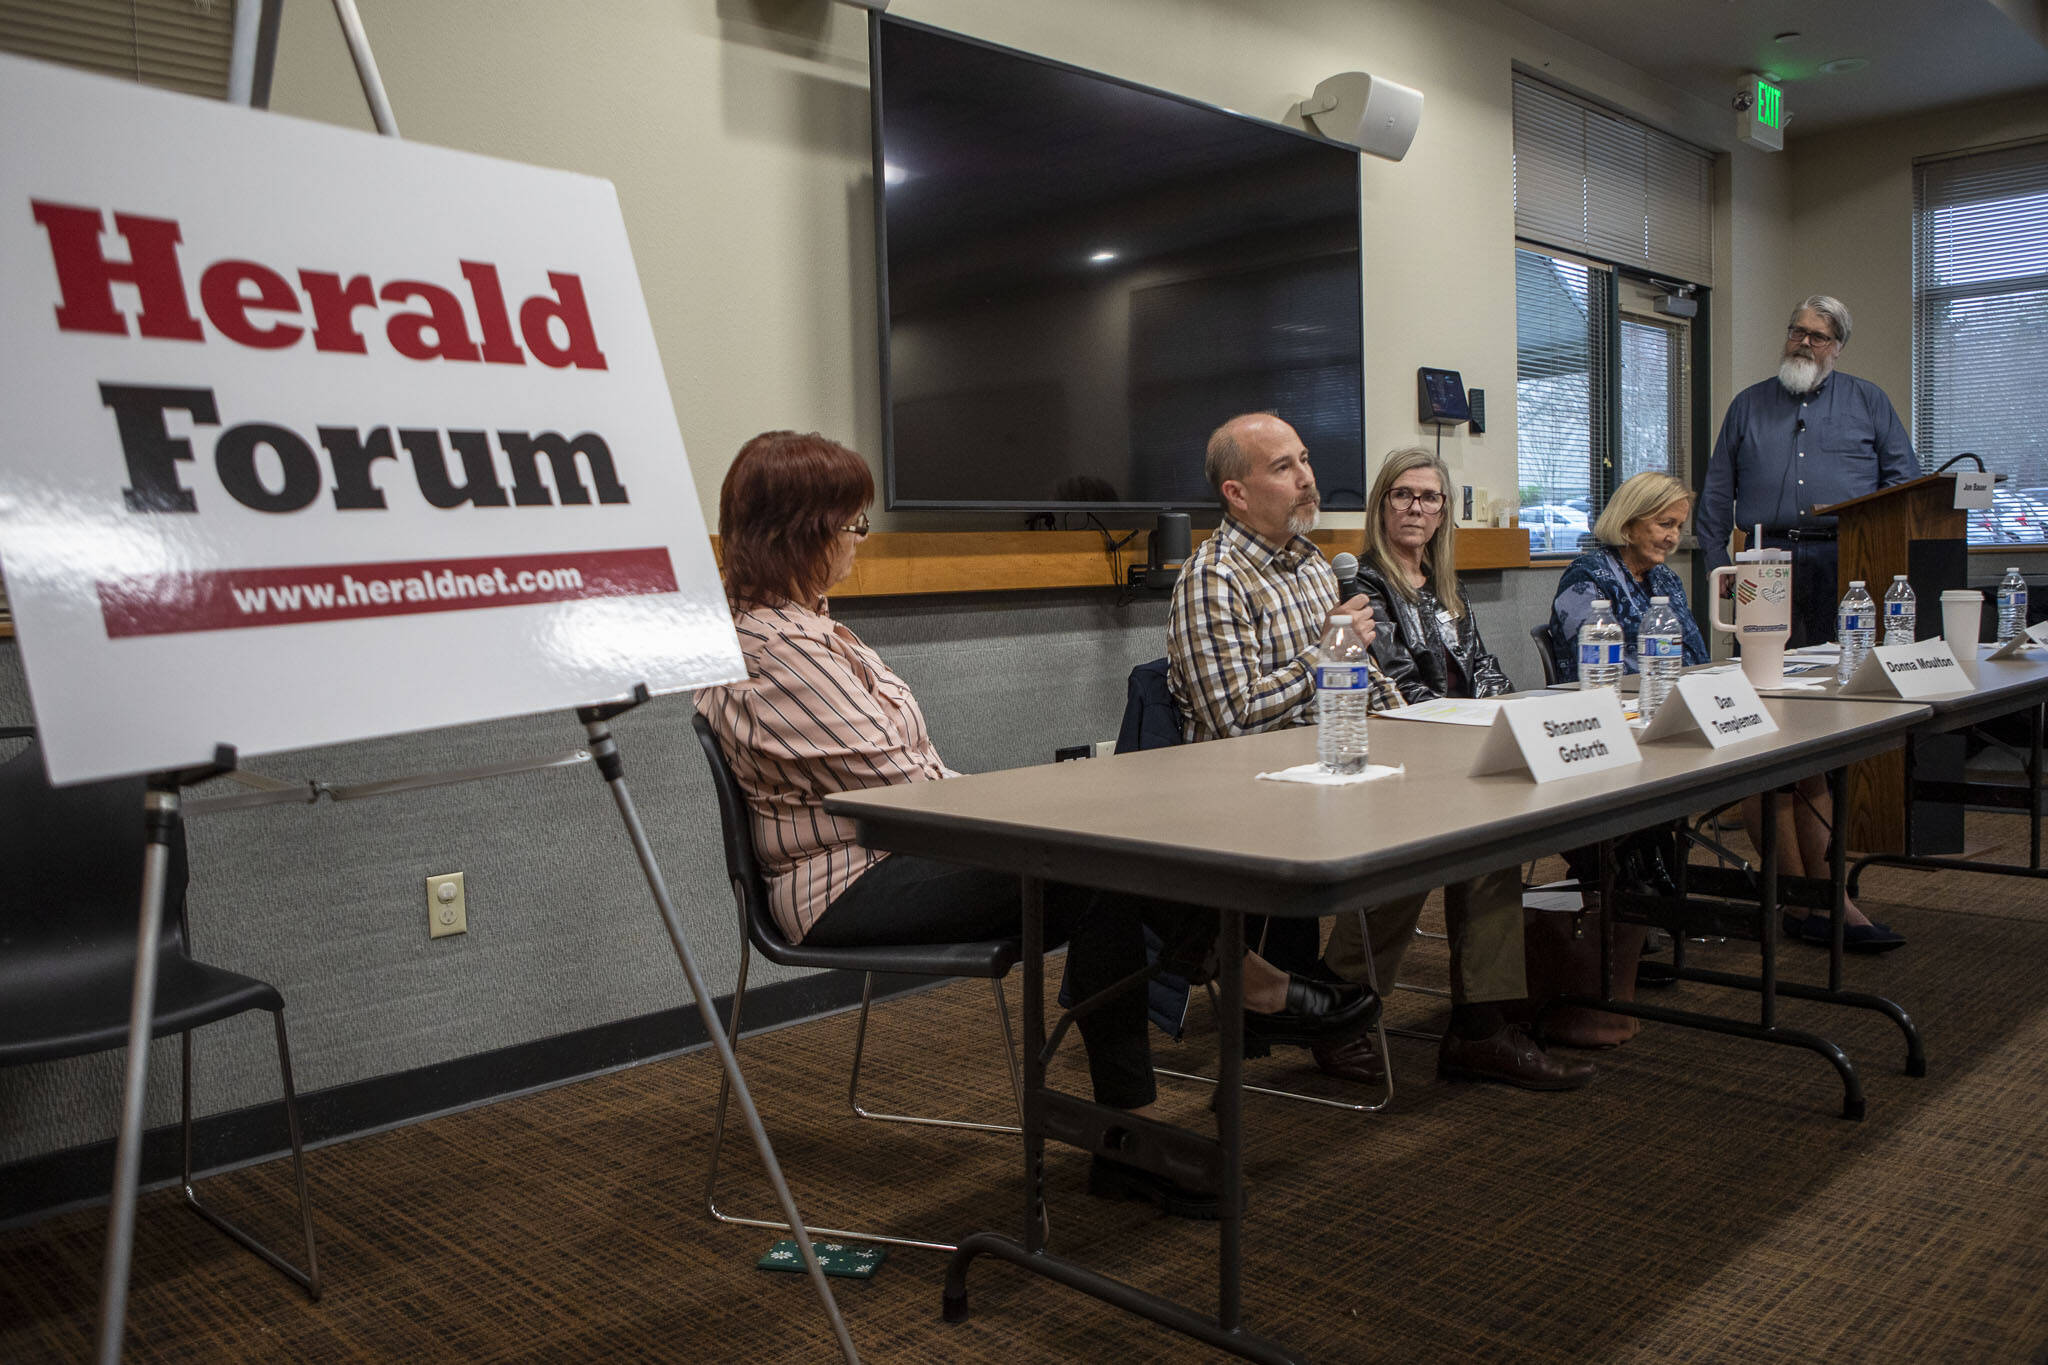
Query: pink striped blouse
(819, 713)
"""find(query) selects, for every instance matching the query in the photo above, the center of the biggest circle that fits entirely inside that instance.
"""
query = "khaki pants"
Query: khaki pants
(1484, 916)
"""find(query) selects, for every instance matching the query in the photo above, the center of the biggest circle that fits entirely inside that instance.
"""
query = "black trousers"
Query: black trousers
(908, 899)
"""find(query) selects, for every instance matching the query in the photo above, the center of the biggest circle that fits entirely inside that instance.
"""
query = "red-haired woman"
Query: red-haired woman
(821, 713)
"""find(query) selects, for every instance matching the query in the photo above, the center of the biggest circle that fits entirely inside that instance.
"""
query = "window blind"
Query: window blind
(1980, 300)
(1562, 398)
(1590, 180)
(180, 45)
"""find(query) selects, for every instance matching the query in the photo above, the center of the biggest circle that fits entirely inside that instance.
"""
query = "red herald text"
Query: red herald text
(253, 305)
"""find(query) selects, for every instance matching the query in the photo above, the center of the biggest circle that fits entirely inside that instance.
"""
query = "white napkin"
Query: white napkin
(1313, 774)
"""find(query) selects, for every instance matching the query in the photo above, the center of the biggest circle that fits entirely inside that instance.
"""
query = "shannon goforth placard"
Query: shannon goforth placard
(315, 435)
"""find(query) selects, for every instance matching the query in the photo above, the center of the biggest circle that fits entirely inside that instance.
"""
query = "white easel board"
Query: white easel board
(317, 435)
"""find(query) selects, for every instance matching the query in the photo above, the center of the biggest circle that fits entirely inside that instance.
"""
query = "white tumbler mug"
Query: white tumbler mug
(1763, 612)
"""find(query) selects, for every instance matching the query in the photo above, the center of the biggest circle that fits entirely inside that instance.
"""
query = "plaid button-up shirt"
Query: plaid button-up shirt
(1241, 642)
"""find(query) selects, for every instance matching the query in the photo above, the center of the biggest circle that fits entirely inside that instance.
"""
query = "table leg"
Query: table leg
(1225, 1331)
(1230, 1119)
(1033, 1118)
(1767, 905)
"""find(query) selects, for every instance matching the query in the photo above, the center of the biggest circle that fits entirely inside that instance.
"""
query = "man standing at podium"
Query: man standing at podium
(1809, 437)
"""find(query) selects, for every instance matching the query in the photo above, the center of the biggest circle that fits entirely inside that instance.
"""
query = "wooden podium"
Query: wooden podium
(1916, 529)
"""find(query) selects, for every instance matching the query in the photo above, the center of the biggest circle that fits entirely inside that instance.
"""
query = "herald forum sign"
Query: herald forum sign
(315, 435)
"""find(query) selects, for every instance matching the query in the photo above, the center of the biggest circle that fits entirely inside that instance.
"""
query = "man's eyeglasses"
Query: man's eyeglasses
(859, 527)
(1801, 334)
(1405, 498)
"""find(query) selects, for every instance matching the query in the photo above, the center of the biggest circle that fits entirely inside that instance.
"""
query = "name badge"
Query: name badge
(1563, 734)
(1973, 490)
(1925, 669)
(1721, 707)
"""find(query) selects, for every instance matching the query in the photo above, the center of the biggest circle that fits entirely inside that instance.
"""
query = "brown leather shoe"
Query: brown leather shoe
(1352, 1060)
(1510, 1055)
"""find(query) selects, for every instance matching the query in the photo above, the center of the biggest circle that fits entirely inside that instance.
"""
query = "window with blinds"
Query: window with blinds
(176, 44)
(1588, 180)
(1563, 347)
(1980, 327)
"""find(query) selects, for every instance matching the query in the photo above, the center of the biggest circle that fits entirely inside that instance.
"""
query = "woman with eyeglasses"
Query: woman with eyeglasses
(1429, 645)
(821, 713)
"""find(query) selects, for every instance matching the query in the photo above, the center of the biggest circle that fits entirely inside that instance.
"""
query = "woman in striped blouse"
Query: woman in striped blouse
(821, 713)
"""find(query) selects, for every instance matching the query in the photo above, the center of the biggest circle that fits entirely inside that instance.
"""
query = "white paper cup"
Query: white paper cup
(1962, 622)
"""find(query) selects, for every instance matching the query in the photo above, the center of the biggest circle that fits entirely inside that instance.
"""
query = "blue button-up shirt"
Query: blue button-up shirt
(1766, 468)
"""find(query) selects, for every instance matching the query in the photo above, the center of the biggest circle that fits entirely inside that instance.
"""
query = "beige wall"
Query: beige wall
(737, 133)
(1851, 223)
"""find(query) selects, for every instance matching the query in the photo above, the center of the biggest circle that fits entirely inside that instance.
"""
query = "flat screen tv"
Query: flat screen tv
(1081, 277)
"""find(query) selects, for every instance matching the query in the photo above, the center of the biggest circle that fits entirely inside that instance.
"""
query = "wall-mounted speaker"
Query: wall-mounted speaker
(1369, 112)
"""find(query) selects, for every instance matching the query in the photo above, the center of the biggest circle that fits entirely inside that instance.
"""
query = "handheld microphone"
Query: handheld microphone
(1345, 566)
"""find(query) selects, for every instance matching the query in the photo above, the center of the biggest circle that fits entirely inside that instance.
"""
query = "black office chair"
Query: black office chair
(991, 960)
(1542, 636)
(1153, 721)
(70, 887)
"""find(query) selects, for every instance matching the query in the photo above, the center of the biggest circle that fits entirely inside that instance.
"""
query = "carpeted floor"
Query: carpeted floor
(1701, 1201)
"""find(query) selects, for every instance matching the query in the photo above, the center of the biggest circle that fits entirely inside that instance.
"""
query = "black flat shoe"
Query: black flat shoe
(1871, 938)
(1316, 1012)
(1109, 1178)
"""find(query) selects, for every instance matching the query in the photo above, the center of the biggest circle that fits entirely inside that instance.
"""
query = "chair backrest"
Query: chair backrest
(742, 868)
(1541, 634)
(1151, 720)
(71, 872)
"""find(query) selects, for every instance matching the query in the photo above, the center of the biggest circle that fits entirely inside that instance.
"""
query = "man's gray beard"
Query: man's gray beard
(1302, 522)
(1800, 374)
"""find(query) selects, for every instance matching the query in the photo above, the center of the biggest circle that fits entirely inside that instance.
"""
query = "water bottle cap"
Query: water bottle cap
(1898, 578)
(1660, 601)
(2012, 568)
(1855, 582)
(1340, 620)
(1600, 602)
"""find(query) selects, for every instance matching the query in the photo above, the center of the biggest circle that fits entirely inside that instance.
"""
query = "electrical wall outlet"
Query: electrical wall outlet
(447, 906)
(1104, 748)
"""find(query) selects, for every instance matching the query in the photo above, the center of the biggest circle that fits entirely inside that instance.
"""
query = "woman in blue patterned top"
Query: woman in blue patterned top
(1637, 532)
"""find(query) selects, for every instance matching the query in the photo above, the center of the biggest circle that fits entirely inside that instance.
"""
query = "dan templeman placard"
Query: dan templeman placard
(320, 435)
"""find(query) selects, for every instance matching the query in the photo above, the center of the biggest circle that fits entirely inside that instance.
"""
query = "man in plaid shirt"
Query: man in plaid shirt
(1248, 613)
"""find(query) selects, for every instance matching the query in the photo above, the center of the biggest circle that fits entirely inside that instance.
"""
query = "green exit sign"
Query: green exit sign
(1770, 105)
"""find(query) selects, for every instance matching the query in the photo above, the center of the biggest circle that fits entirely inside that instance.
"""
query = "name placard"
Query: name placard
(1721, 707)
(2038, 632)
(1564, 734)
(1973, 490)
(1925, 669)
(2012, 648)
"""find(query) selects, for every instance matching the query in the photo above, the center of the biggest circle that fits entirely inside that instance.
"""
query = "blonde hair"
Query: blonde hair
(1439, 558)
(1642, 496)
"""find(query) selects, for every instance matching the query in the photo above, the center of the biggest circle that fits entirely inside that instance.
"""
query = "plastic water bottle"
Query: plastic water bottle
(1600, 645)
(1901, 612)
(1660, 654)
(1855, 629)
(2012, 605)
(1343, 698)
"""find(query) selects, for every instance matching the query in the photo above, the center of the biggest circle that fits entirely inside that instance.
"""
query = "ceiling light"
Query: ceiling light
(893, 174)
(1843, 65)
(1103, 257)
(1789, 36)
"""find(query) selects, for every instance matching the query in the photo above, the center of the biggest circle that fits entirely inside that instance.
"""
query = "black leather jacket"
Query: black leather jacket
(1412, 648)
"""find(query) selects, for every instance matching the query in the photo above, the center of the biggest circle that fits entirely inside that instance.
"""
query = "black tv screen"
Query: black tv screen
(1082, 277)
